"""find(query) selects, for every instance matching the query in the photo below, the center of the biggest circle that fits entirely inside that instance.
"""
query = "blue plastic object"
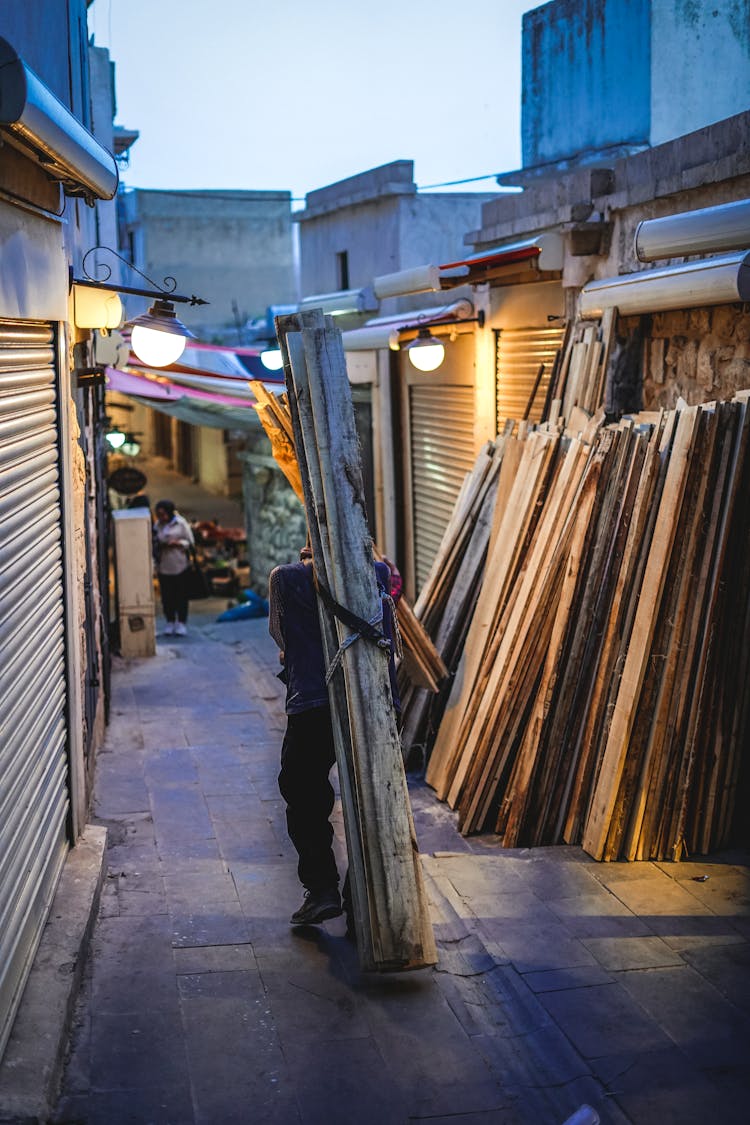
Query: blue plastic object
(252, 606)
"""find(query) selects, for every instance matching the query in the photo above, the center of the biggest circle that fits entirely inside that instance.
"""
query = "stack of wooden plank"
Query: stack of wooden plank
(602, 694)
(389, 900)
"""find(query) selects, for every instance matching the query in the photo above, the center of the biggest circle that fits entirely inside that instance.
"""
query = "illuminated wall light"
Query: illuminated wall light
(96, 308)
(116, 438)
(426, 353)
(271, 359)
(130, 447)
(158, 338)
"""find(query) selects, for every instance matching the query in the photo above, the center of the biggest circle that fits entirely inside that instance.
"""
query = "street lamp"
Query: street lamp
(158, 337)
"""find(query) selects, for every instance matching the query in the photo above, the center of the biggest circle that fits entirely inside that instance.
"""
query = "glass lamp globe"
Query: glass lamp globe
(271, 359)
(156, 348)
(426, 353)
(116, 438)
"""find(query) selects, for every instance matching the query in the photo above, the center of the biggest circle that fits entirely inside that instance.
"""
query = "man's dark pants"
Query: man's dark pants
(307, 755)
(174, 596)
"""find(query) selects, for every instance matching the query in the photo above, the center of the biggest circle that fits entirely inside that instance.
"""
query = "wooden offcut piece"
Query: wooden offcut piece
(393, 926)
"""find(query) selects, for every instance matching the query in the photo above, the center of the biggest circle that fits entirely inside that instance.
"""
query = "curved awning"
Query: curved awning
(541, 253)
(45, 129)
(383, 331)
(711, 281)
(191, 399)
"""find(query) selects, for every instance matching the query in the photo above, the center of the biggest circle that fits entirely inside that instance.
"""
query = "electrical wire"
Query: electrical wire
(455, 183)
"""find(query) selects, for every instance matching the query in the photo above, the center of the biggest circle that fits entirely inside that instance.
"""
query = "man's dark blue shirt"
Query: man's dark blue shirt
(295, 626)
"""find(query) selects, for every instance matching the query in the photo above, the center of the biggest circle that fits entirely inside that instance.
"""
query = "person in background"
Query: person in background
(139, 501)
(307, 753)
(173, 544)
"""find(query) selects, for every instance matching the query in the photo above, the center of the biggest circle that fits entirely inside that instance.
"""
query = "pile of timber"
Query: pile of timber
(601, 696)
(422, 662)
(389, 901)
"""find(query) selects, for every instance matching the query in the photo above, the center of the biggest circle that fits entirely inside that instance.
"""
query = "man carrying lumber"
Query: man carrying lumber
(307, 753)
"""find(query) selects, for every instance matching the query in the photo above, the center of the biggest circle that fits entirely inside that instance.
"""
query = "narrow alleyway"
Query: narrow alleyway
(560, 981)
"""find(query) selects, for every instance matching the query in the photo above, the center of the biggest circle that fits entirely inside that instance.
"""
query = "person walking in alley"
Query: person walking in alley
(307, 753)
(173, 543)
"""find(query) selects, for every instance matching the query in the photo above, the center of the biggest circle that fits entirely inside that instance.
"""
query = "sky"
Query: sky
(297, 94)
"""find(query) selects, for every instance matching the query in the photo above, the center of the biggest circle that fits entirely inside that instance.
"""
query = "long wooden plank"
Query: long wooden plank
(290, 344)
(662, 807)
(449, 619)
(597, 825)
(500, 554)
(522, 628)
(479, 720)
(538, 456)
(518, 792)
(401, 936)
(624, 544)
(568, 703)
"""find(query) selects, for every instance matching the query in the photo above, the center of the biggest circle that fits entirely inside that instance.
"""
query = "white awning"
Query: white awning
(709, 230)
(713, 281)
(383, 331)
(343, 301)
(545, 250)
(40, 124)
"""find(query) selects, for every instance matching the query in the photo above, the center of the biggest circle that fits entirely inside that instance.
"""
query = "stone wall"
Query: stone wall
(274, 517)
(697, 354)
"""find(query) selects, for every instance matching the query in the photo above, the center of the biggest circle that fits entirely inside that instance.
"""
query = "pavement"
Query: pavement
(561, 982)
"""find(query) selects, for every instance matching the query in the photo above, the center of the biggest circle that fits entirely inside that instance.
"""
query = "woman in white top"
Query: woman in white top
(173, 541)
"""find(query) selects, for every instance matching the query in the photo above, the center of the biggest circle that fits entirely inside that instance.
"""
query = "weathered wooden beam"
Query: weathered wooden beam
(393, 891)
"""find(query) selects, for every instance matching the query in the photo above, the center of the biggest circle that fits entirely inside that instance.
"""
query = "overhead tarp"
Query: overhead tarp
(221, 360)
(197, 406)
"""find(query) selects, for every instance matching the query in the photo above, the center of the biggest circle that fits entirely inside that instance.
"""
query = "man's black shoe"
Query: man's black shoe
(318, 907)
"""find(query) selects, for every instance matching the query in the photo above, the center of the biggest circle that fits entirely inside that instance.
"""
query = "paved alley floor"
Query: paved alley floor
(560, 981)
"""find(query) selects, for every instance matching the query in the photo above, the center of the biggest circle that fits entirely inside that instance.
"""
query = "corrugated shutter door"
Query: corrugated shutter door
(33, 755)
(520, 351)
(442, 450)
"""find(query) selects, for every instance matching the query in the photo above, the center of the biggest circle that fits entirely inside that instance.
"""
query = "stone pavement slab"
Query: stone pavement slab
(560, 981)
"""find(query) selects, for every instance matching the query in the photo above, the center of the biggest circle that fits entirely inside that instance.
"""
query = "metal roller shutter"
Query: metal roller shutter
(33, 757)
(442, 451)
(520, 351)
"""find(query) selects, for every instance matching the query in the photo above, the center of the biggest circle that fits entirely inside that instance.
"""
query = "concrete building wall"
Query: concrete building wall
(602, 74)
(382, 224)
(696, 354)
(700, 64)
(233, 248)
(585, 78)
(101, 72)
(367, 232)
(54, 56)
(358, 217)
